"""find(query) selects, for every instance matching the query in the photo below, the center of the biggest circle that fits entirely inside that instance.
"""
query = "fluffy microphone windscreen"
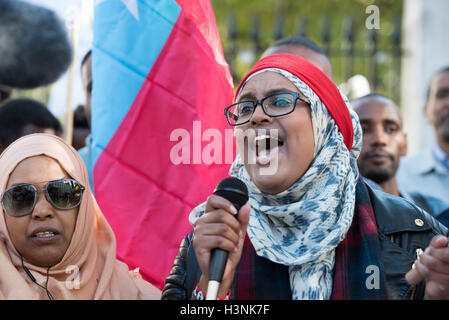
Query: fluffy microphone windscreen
(34, 45)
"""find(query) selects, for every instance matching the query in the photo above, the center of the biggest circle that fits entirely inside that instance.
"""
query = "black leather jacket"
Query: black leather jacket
(401, 235)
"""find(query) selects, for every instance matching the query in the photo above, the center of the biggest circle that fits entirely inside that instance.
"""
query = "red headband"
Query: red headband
(323, 87)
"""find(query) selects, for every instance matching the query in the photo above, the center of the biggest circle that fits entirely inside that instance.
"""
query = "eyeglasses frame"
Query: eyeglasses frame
(260, 101)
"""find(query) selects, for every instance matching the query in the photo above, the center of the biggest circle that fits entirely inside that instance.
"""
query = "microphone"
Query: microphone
(236, 192)
(413, 277)
(35, 49)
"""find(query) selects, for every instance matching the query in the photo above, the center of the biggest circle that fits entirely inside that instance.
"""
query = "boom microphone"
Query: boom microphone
(34, 46)
(235, 191)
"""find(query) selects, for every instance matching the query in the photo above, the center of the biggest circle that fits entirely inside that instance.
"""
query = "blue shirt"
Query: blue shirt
(425, 173)
(440, 156)
(432, 205)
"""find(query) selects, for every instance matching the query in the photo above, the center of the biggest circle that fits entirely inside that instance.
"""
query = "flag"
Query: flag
(160, 84)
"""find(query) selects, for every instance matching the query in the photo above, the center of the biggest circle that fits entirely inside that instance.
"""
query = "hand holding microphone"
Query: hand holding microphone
(433, 266)
(219, 235)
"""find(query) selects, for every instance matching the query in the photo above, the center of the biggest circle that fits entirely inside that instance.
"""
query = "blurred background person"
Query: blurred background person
(23, 116)
(428, 171)
(384, 142)
(86, 75)
(302, 47)
(81, 128)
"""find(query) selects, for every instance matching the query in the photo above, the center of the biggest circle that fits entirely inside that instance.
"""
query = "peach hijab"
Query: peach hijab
(92, 249)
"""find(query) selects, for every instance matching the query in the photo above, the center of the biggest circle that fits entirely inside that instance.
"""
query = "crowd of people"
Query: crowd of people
(345, 197)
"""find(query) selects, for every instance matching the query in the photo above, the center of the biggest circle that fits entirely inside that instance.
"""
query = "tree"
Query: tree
(258, 23)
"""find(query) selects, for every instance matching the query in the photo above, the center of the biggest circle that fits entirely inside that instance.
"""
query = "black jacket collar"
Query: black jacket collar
(386, 207)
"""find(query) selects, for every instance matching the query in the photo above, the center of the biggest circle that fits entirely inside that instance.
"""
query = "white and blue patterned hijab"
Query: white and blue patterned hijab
(301, 226)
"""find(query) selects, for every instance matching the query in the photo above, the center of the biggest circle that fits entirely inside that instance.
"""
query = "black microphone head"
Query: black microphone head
(234, 190)
(34, 46)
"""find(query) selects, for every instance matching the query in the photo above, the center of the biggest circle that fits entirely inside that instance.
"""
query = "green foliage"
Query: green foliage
(291, 12)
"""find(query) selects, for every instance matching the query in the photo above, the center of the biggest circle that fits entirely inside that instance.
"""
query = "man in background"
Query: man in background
(20, 117)
(384, 142)
(86, 76)
(81, 128)
(428, 172)
(302, 47)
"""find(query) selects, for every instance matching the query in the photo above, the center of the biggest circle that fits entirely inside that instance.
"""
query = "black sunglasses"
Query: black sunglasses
(63, 194)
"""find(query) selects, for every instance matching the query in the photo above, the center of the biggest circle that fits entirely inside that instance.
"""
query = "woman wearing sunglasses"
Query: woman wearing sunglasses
(54, 241)
(311, 229)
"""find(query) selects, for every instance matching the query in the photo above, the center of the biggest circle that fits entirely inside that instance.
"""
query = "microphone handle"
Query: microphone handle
(413, 277)
(236, 192)
(219, 258)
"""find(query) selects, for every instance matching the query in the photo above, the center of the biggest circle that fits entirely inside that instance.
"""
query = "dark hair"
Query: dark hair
(370, 96)
(17, 113)
(4, 93)
(299, 41)
(83, 62)
(79, 118)
(439, 71)
(86, 56)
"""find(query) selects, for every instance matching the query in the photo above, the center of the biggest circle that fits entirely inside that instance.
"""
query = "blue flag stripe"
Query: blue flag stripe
(124, 51)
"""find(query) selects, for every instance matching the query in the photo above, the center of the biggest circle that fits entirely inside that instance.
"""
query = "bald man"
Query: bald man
(305, 48)
(384, 143)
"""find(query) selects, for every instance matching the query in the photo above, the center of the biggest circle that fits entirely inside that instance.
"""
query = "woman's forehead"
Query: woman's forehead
(264, 83)
(36, 169)
(39, 160)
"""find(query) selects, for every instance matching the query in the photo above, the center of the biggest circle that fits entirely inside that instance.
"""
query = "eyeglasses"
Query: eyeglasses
(63, 194)
(276, 105)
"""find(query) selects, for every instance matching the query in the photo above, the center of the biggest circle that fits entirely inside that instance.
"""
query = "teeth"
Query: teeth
(262, 137)
(266, 142)
(45, 234)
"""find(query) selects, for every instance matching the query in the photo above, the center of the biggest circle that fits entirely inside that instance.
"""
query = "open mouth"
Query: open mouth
(44, 235)
(267, 148)
(264, 143)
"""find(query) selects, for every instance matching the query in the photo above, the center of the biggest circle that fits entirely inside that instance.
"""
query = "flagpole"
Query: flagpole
(69, 96)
